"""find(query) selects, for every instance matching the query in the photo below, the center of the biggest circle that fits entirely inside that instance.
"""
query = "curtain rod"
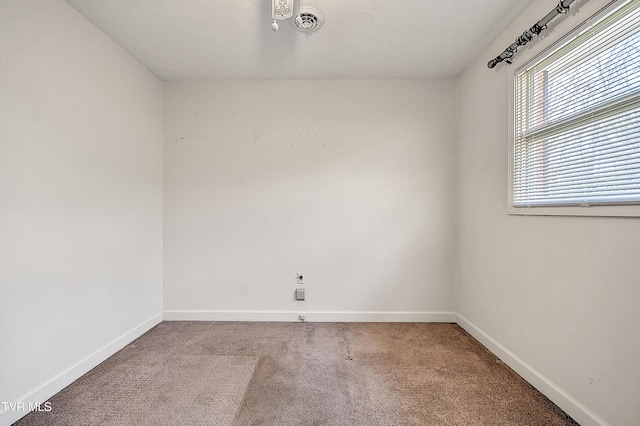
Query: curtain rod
(561, 9)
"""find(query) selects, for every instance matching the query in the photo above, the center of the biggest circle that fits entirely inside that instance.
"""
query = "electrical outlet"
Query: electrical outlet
(300, 278)
(299, 293)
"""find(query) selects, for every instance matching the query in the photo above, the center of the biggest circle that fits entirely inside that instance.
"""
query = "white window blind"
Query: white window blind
(577, 118)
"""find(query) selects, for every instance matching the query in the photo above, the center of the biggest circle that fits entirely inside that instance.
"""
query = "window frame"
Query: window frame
(563, 32)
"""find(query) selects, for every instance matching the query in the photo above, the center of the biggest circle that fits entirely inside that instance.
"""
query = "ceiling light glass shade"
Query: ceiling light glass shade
(309, 19)
(282, 9)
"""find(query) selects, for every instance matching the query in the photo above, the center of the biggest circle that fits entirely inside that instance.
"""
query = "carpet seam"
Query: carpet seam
(246, 390)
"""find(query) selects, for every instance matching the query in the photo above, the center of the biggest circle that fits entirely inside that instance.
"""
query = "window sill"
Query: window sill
(631, 211)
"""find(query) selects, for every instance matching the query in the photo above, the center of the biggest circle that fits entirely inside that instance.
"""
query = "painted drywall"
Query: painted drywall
(80, 195)
(560, 293)
(350, 182)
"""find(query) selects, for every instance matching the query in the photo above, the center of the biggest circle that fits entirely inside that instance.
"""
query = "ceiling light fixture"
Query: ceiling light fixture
(308, 19)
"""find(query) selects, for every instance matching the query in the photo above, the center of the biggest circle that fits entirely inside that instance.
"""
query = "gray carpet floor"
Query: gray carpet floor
(239, 373)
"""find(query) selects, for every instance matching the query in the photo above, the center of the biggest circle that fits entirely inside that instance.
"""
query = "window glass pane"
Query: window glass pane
(612, 73)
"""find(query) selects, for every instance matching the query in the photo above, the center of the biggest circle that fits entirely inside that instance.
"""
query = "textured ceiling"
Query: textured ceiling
(215, 39)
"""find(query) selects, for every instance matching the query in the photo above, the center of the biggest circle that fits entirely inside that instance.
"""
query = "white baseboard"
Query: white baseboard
(572, 407)
(313, 316)
(54, 385)
(579, 412)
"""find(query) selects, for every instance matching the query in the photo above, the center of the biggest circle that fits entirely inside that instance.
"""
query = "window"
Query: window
(577, 118)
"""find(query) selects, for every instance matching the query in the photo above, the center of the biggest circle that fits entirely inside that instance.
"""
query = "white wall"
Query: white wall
(560, 293)
(80, 197)
(351, 182)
